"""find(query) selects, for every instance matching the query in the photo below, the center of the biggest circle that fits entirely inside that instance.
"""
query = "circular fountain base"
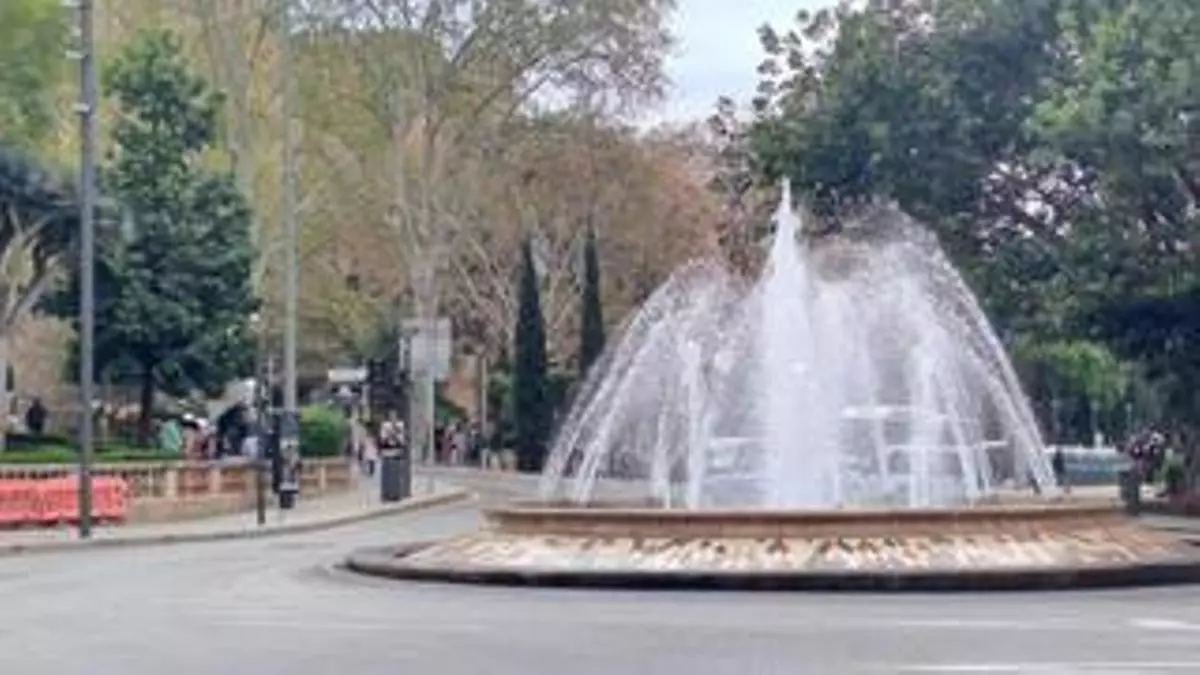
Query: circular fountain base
(995, 547)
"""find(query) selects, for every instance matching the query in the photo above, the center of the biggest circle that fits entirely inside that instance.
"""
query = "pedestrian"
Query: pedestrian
(439, 443)
(475, 445)
(391, 434)
(35, 417)
(1058, 462)
(370, 456)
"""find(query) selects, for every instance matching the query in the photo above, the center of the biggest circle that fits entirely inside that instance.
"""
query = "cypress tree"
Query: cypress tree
(591, 326)
(531, 401)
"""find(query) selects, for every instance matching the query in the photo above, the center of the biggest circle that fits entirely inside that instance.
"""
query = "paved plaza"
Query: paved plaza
(281, 605)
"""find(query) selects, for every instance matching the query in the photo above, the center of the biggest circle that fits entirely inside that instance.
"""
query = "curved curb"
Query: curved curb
(60, 545)
(388, 563)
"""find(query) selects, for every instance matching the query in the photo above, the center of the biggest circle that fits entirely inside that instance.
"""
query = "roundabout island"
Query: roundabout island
(993, 547)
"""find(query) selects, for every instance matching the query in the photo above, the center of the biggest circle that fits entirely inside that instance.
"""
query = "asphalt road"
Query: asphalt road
(281, 606)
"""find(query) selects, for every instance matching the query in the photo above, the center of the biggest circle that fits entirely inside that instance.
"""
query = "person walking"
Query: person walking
(370, 456)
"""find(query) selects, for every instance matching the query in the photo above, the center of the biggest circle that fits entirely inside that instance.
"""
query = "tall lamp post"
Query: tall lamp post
(82, 51)
(289, 424)
(262, 399)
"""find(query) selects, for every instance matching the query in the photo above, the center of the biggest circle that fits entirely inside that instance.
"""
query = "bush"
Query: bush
(63, 454)
(17, 441)
(324, 431)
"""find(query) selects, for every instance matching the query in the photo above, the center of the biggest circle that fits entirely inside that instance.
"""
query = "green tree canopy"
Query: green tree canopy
(173, 299)
(32, 55)
(532, 404)
(591, 322)
(1053, 145)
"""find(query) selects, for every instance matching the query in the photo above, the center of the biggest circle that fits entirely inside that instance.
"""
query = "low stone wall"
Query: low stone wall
(177, 490)
(623, 521)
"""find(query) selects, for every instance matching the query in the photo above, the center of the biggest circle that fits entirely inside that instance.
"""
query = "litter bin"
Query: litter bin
(1131, 490)
(289, 485)
(395, 477)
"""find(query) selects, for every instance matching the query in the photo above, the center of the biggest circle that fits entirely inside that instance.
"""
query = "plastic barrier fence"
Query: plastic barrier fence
(56, 500)
(1092, 466)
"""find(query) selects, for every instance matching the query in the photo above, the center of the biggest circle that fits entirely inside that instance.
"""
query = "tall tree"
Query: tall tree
(32, 50)
(174, 298)
(39, 219)
(1052, 144)
(435, 81)
(531, 397)
(1128, 109)
(591, 322)
(567, 175)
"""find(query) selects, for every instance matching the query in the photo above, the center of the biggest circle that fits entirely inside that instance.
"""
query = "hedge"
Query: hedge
(68, 455)
(324, 431)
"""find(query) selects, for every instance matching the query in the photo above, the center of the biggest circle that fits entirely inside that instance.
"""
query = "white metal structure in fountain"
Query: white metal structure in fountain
(852, 356)
(899, 474)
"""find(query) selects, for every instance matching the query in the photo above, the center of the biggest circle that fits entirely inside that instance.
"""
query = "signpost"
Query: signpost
(350, 376)
(428, 346)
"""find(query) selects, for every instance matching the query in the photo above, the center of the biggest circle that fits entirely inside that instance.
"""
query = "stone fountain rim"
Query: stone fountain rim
(622, 520)
(533, 526)
(610, 510)
(393, 562)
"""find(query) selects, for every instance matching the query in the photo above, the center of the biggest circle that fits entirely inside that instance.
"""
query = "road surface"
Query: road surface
(282, 606)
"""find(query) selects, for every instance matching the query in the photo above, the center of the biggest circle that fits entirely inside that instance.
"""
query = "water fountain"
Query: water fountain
(848, 420)
(857, 371)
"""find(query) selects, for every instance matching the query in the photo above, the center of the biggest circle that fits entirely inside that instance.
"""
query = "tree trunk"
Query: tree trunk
(4, 398)
(146, 410)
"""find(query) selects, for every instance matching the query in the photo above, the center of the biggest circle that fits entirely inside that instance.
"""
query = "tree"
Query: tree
(591, 323)
(32, 48)
(1128, 109)
(1051, 144)
(436, 80)
(745, 207)
(531, 400)
(39, 219)
(1080, 386)
(565, 175)
(174, 298)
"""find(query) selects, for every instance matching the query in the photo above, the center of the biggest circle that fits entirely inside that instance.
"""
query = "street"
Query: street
(281, 605)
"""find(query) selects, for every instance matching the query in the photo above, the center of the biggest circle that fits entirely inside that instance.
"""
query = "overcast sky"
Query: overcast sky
(718, 50)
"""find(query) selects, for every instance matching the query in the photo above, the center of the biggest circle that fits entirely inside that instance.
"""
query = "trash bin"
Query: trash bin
(395, 477)
(1131, 490)
(289, 486)
(287, 497)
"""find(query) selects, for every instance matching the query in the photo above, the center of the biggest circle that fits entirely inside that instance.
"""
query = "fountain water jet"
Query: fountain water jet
(857, 370)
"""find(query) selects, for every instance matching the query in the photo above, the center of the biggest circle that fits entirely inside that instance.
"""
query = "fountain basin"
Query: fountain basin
(1004, 546)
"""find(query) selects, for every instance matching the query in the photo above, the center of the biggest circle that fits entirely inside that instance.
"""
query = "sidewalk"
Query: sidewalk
(361, 503)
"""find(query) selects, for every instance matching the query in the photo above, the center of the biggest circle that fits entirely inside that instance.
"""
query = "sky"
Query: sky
(718, 51)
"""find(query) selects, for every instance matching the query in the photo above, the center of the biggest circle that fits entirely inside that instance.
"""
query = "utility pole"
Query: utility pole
(289, 429)
(82, 50)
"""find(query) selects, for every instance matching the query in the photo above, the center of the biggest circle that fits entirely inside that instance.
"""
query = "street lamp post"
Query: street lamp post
(82, 51)
(289, 427)
(262, 388)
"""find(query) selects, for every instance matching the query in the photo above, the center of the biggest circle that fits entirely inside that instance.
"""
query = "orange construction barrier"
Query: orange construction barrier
(56, 500)
(110, 498)
(18, 502)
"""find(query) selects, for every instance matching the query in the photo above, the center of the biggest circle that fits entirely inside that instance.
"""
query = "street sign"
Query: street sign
(430, 345)
(347, 375)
